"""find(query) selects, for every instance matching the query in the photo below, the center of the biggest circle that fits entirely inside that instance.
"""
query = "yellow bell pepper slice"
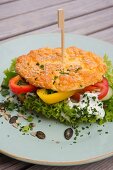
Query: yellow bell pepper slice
(54, 97)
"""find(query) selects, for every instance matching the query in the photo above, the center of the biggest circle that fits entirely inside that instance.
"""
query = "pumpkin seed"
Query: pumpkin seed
(13, 119)
(68, 133)
(40, 135)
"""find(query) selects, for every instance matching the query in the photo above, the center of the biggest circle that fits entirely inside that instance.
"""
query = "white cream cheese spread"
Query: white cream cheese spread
(91, 103)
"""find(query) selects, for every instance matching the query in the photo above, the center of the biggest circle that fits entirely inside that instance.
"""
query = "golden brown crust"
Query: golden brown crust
(44, 68)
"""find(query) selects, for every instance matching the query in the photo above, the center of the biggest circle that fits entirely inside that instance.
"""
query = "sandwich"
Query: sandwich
(72, 89)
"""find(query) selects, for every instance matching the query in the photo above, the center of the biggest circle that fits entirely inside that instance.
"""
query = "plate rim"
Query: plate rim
(57, 163)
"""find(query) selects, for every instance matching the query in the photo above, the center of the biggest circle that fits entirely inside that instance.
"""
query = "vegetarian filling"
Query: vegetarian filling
(91, 104)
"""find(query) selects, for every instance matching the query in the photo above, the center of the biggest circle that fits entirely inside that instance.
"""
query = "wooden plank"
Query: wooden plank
(82, 25)
(12, 164)
(106, 164)
(91, 23)
(43, 18)
(18, 166)
(6, 162)
(6, 1)
(25, 6)
(86, 24)
(106, 35)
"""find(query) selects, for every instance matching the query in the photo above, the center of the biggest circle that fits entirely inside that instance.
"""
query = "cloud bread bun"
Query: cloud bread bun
(45, 68)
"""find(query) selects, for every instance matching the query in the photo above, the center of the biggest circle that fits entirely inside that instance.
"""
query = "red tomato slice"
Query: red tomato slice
(105, 81)
(102, 87)
(90, 88)
(19, 89)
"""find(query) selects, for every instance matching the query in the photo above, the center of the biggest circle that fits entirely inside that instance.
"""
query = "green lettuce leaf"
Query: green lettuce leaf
(108, 104)
(109, 73)
(9, 73)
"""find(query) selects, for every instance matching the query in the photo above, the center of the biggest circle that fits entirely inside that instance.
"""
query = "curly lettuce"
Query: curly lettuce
(109, 73)
(108, 104)
(9, 73)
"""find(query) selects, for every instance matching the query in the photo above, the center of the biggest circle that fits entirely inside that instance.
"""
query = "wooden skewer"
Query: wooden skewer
(61, 26)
